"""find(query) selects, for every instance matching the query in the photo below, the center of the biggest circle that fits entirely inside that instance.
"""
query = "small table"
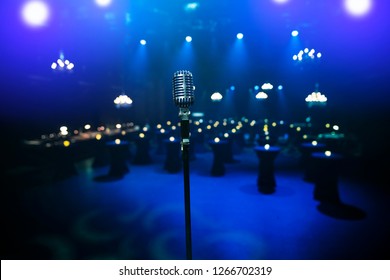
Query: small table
(326, 176)
(142, 153)
(266, 182)
(119, 156)
(307, 149)
(173, 156)
(219, 150)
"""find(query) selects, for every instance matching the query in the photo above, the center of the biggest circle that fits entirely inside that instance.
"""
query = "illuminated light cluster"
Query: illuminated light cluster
(172, 139)
(261, 95)
(306, 54)
(62, 64)
(240, 36)
(64, 130)
(123, 101)
(267, 86)
(216, 96)
(316, 97)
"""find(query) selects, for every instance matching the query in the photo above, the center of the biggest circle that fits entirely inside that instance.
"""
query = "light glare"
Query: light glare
(103, 3)
(357, 7)
(35, 13)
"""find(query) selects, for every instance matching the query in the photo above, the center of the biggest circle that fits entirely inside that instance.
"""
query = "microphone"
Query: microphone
(183, 89)
(183, 96)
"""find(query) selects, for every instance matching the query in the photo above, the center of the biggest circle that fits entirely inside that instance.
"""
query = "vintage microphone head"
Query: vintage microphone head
(183, 89)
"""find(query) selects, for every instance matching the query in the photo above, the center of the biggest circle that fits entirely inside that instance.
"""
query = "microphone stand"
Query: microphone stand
(185, 144)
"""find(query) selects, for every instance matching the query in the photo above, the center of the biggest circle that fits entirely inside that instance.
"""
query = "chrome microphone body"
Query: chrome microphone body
(183, 89)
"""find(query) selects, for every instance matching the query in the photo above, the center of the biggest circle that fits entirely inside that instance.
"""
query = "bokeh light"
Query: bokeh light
(35, 13)
(358, 7)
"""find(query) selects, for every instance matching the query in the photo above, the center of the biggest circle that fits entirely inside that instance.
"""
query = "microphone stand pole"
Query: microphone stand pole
(185, 144)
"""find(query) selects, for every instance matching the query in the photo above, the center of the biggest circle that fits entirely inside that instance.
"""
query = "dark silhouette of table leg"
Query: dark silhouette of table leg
(306, 160)
(119, 156)
(326, 177)
(219, 151)
(173, 159)
(266, 182)
(142, 153)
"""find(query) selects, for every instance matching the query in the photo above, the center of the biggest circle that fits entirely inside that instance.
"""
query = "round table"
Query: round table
(266, 182)
(219, 150)
(326, 172)
(119, 156)
(173, 161)
(307, 149)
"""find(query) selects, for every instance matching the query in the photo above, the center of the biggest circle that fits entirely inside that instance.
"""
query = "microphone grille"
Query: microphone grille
(183, 88)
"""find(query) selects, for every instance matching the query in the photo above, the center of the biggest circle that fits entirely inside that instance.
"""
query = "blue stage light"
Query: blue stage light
(35, 13)
(357, 7)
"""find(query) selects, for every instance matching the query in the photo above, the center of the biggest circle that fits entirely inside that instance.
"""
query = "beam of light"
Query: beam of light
(35, 13)
(358, 7)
